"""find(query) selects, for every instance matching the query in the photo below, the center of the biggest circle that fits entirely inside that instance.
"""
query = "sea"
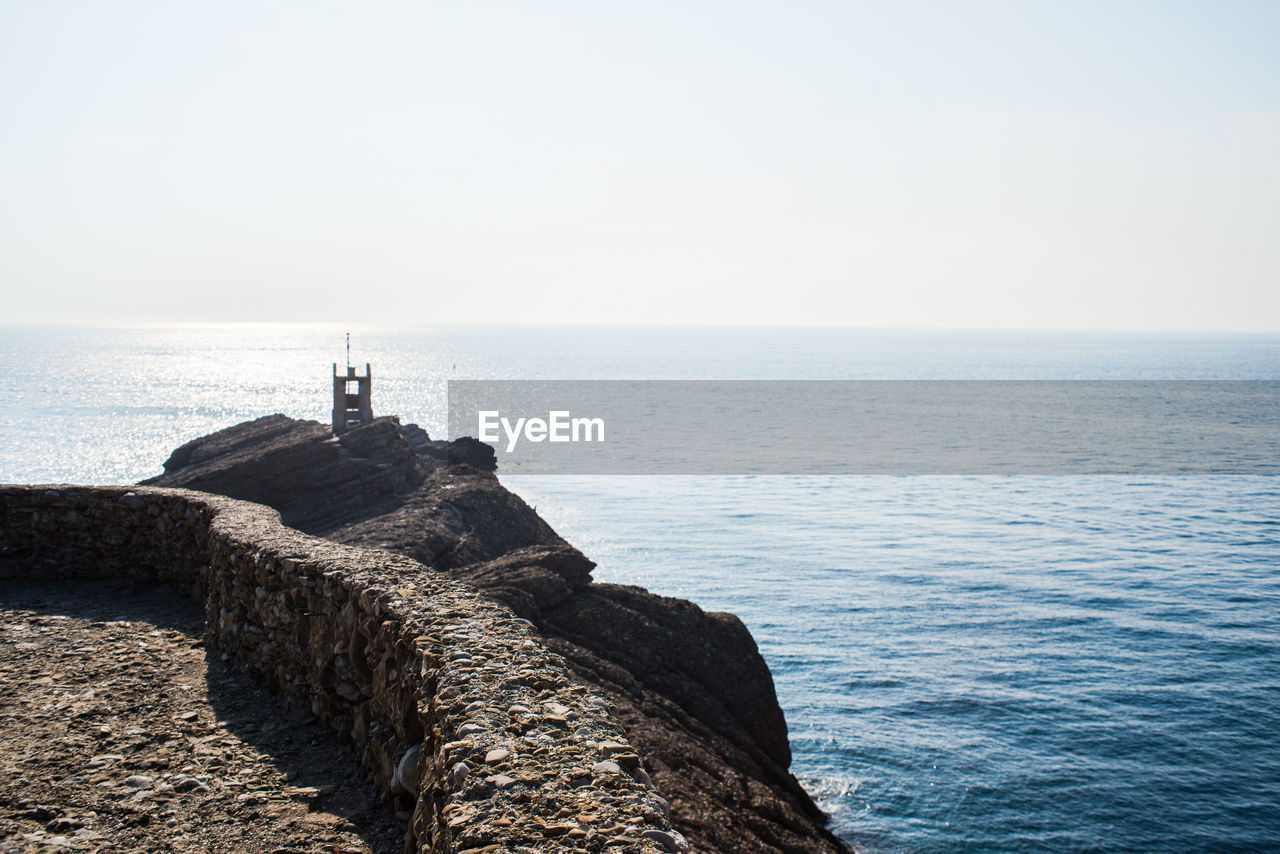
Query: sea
(966, 663)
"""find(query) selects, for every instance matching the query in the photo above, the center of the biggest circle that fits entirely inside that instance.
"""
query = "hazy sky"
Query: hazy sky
(997, 164)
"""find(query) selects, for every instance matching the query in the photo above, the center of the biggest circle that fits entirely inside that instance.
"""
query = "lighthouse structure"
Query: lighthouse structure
(352, 395)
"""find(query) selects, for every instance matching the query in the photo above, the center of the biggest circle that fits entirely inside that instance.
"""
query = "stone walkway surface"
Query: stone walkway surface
(118, 734)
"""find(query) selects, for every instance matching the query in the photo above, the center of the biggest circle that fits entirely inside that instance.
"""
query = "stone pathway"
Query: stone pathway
(118, 735)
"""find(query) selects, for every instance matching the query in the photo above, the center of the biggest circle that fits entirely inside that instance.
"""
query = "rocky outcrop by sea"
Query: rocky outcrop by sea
(691, 689)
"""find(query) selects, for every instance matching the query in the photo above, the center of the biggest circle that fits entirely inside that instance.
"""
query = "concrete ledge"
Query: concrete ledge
(475, 731)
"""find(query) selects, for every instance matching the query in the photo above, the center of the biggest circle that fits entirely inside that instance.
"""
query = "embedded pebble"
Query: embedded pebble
(559, 828)
(668, 839)
(501, 781)
(498, 754)
(407, 776)
(138, 781)
(627, 760)
(190, 784)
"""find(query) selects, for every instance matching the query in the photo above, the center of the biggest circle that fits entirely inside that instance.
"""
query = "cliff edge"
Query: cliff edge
(691, 688)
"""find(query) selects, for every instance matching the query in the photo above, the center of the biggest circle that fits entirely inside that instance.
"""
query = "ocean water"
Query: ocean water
(966, 663)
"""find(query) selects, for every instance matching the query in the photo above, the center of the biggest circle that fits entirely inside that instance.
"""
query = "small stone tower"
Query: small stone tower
(352, 398)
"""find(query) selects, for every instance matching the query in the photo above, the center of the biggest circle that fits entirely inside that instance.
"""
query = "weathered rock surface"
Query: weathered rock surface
(690, 688)
(316, 480)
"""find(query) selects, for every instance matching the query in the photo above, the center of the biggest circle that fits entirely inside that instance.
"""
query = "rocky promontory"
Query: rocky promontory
(690, 687)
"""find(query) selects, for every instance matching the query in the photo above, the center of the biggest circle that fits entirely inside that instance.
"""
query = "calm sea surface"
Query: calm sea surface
(966, 664)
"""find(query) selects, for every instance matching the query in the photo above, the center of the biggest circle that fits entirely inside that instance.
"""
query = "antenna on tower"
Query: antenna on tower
(348, 349)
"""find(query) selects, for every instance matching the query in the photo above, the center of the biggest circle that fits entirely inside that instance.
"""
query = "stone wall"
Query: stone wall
(473, 729)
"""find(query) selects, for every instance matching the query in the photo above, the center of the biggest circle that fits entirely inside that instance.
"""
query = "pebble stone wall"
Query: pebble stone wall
(474, 731)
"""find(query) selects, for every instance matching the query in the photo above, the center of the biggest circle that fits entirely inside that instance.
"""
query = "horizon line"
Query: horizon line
(367, 325)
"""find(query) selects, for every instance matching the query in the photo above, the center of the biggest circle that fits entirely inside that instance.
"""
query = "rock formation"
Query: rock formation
(692, 690)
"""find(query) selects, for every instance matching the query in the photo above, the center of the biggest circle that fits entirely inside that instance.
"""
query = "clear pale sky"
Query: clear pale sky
(991, 164)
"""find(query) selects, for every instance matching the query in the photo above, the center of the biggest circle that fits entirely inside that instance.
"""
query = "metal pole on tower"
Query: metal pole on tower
(348, 352)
